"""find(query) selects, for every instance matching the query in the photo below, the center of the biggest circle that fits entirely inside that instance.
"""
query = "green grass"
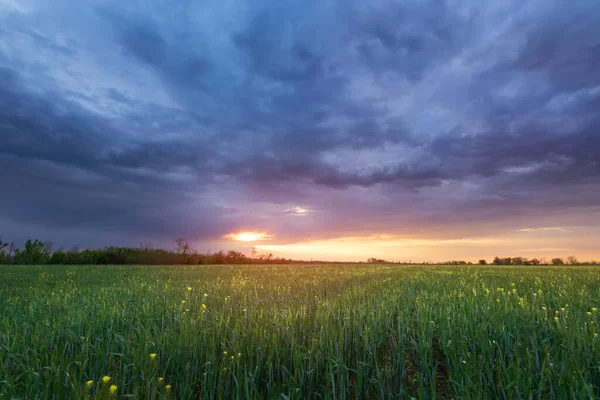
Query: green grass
(299, 332)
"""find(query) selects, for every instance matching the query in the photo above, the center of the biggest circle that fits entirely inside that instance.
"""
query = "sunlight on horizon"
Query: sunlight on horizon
(248, 236)
(539, 242)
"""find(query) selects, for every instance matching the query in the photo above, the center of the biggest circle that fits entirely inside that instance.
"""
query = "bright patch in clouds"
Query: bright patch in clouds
(296, 211)
(248, 236)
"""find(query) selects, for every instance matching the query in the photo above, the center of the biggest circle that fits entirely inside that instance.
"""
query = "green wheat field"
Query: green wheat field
(299, 332)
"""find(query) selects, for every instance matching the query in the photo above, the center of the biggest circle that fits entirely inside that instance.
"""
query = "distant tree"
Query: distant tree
(2, 245)
(35, 252)
(572, 260)
(502, 261)
(183, 246)
(518, 261)
(219, 258)
(482, 262)
(59, 257)
(254, 251)
(235, 257)
(374, 260)
(535, 261)
(558, 261)
(509, 261)
(4, 254)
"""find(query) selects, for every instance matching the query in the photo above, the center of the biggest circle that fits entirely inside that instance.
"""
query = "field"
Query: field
(298, 332)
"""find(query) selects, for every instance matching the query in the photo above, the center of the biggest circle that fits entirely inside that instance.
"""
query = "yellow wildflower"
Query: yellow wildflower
(225, 353)
(168, 387)
(105, 379)
(89, 384)
(113, 389)
(189, 289)
(160, 380)
(205, 295)
(152, 356)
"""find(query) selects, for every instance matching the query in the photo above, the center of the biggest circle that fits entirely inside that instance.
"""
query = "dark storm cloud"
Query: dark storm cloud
(565, 50)
(260, 41)
(62, 170)
(134, 117)
(36, 127)
(407, 39)
(174, 62)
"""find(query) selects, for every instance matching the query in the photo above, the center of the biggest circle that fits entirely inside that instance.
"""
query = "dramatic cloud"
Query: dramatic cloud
(436, 120)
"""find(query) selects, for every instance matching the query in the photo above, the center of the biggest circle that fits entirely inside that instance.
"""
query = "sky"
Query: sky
(342, 130)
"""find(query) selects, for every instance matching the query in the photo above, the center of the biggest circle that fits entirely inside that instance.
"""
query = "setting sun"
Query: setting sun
(248, 236)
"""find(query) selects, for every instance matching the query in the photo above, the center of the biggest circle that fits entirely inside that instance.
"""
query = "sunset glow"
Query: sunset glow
(248, 236)
(537, 242)
(332, 130)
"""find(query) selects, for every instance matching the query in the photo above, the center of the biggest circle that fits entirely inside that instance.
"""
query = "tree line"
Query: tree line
(571, 260)
(37, 252)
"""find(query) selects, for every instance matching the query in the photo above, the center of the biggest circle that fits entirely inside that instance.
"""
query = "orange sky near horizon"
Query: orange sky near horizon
(543, 242)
